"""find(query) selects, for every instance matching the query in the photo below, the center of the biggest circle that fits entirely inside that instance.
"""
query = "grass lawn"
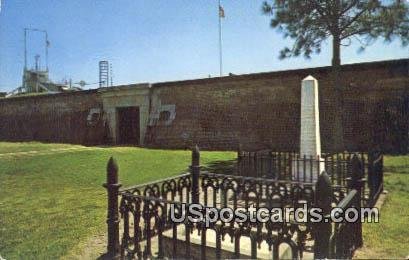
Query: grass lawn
(390, 237)
(51, 203)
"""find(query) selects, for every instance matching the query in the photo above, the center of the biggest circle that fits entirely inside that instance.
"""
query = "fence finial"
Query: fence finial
(357, 182)
(112, 187)
(322, 230)
(112, 171)
(195, 171)
(356, 164)
(195, 155)
(323, 189)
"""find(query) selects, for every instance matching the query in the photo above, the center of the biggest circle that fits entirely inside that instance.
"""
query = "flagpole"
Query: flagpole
(220, 42)
(46, 50)
(25, 48)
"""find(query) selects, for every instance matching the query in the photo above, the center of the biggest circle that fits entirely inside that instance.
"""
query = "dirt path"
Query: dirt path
(47, 152)
(93, 248)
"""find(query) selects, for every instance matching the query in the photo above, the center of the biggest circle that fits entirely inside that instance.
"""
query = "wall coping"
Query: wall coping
(125, 90)
(256, 76)
(125, 87)
(51, 95)
(301, 72)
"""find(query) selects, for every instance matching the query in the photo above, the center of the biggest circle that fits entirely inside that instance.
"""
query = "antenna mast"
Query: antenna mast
(25, 48)
(111, 75)
(47, 43)
(103, 74)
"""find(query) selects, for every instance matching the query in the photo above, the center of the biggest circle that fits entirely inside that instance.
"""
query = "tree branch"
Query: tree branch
(354, 19)
(321, 11)
(363, 30)
(352, 4)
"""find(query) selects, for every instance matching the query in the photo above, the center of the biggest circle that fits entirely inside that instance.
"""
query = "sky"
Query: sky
(153, 40)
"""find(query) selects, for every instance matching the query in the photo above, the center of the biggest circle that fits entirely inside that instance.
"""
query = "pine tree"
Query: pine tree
(310, 22)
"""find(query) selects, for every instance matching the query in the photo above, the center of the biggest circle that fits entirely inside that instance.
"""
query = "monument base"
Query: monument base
(308, 172)
(227, 247)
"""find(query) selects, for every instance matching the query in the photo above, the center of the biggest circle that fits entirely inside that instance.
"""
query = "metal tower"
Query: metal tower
(103, 74)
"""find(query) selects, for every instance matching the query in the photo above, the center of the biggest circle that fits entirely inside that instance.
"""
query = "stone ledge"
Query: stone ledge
(227, 247)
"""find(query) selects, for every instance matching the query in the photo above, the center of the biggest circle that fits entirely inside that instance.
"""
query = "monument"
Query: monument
(310, 139)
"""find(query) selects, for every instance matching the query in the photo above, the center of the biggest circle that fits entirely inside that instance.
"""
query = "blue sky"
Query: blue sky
(153, 40)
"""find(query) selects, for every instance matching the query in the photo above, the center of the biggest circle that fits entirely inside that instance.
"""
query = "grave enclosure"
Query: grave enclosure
(139, 224)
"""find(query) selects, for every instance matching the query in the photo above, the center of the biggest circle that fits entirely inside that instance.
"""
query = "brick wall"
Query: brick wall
(263, 110)
(51, 118)
(259, 111)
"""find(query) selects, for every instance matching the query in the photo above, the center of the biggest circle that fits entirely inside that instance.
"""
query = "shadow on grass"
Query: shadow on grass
(221, 167)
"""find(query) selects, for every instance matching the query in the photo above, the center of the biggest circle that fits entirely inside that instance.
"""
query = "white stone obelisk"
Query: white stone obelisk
(310, 139)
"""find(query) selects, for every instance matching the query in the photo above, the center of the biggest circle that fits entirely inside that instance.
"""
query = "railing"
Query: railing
(348, 236)
(177, 188)
(154, 227)
(375, 177)
(148, 231)
(292, 166)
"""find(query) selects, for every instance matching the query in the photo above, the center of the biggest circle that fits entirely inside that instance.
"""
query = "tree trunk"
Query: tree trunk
(338, 130)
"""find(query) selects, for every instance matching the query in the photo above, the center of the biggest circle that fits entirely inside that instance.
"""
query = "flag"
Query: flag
(221, 12)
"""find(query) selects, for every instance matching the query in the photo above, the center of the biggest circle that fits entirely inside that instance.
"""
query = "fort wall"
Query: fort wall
(258, 111)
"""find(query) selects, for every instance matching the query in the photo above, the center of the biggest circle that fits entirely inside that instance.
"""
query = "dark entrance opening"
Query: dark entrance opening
(128, 125)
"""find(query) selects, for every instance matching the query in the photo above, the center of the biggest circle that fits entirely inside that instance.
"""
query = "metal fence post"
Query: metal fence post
(375, 175)
(357, 178)
(112, 185)
(195, 171)
(357, 182)
(322, 231)
(239, 160)
(379, 169)
(371, 175)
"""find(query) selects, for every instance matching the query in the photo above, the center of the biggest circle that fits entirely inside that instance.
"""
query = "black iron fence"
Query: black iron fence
(143, 216)
(374, 176)
(293, 167)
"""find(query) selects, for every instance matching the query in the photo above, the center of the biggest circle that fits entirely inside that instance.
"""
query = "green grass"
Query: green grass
(390, 237)
(51, 203)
